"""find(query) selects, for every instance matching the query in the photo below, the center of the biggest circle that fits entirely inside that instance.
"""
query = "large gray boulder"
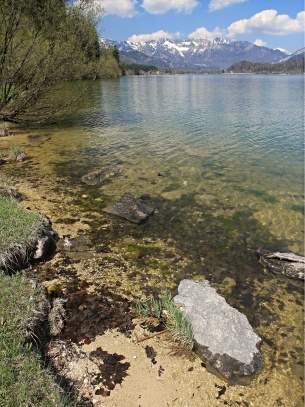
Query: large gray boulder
(223, 337)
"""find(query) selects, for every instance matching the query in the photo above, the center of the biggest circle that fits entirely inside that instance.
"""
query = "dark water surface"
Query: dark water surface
(221, 160)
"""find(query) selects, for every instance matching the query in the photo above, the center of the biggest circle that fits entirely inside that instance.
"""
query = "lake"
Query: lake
(221, 160)
(229, 147)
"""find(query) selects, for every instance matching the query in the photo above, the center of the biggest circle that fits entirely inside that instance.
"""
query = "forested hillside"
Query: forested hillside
(44, 43)
(295, 66)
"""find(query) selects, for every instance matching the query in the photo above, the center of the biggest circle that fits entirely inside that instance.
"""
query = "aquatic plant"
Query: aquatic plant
(168, 315)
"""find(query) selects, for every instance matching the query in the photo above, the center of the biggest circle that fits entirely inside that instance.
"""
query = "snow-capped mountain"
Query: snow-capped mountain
(296, 55)
(284, 51)
(217, 53)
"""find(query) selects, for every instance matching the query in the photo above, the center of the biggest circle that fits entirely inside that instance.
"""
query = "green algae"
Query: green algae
(298, 208)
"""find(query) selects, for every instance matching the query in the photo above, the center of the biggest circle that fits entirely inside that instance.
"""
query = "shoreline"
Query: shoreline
(177, 385)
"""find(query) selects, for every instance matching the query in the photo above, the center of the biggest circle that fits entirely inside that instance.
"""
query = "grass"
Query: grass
(165, 311)
(3, 130)
(18, 226)
(23, 380)
(15, 151)
(19, 231)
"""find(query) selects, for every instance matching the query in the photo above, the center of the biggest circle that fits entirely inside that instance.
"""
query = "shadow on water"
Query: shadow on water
(198, 243)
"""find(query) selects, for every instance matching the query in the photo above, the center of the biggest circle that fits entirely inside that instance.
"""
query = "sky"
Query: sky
(270, 23)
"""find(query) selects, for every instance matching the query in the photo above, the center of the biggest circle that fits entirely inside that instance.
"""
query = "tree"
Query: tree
(43, 43)
(116, 53)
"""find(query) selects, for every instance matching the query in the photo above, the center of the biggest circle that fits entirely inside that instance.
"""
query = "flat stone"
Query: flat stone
(289, 264)
(99, 176)
(223, 337)
(38, 139)
(129, 208)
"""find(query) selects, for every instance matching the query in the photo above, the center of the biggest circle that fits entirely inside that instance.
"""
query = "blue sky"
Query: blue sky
(270, 23)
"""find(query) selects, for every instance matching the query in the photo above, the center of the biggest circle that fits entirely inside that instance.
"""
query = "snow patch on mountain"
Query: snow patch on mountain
(217, 53)
(284, 51)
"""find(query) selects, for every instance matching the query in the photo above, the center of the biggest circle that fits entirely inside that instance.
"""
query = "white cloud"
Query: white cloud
(219, 4)
(154, 36)
(122, 8)
(202, 32)
(163, 6)
(265, 22)
(260, 43)
(268, 22)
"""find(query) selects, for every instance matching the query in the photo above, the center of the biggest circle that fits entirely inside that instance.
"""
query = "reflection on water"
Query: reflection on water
(220, 158)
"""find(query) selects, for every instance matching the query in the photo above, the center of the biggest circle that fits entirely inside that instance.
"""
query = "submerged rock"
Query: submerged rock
(99, 176)
(223, 337)
(289, 264)
(79, 247)
(38, 139)
(129, 208)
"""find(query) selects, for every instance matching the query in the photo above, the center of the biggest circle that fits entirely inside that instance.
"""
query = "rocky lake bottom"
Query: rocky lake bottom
(104, 262)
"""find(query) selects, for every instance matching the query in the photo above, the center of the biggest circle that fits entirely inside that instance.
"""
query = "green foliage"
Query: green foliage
(44, 43)
(170, 316)
(137, 69)
(115, 53)
(295, 66)
(108, 65)
(23, 381)
(18, 226)
(178, 324)
(15, 151)
(150, 307)
(4, 131)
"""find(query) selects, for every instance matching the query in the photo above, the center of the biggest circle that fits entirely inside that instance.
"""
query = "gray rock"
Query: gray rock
(21, 157)
(289, 264)
(79, 247)
(224, 339)
(38, 139)
(99, 176)
(57, 316)
(44, 245)
(129, 208)
(4, 132)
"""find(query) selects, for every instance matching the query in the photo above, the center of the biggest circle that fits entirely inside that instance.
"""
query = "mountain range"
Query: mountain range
(300, 54)
(200, 54)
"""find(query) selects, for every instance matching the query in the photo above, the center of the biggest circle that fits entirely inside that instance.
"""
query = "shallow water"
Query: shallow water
(220, 159)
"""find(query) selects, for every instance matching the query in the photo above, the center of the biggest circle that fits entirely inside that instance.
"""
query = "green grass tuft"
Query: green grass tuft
(170, 316)
(15, 151)
(23, 380)
(18, 226)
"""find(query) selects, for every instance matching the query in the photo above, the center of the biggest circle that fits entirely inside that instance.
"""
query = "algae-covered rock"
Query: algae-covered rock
(129, 208)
